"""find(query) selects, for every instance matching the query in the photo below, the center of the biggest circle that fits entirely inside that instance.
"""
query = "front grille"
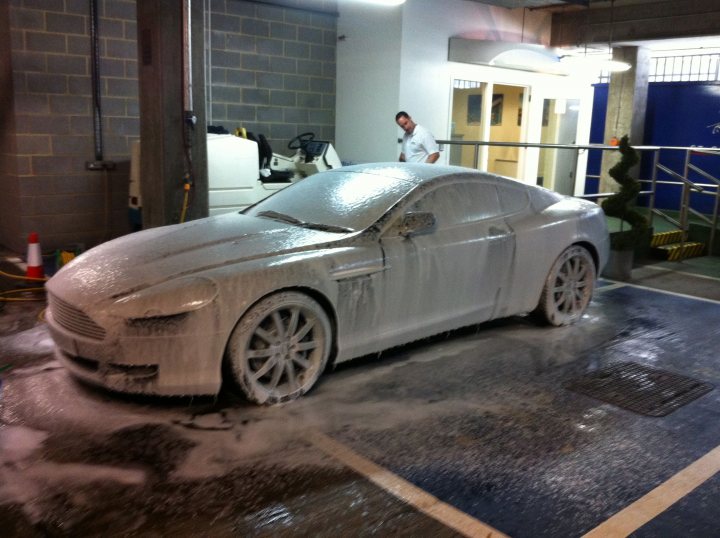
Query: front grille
(73, 319)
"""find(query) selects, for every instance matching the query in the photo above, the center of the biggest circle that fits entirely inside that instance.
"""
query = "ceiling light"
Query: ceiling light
(615, 66)
(525, 56)
(593, 63)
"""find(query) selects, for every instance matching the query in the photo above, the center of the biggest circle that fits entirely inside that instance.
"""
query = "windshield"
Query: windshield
(339, 201)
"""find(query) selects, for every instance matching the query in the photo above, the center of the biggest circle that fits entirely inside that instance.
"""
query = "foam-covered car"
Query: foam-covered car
(342, 264)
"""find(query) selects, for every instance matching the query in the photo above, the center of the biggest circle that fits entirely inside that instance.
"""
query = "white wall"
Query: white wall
(425, 84)
(368, 75)
(397, 59)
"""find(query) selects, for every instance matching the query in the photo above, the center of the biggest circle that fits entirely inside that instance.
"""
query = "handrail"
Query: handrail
(680, 179)
(703, 173)
(529, 144)
(686, 210)
(606, 194)
(667, 217)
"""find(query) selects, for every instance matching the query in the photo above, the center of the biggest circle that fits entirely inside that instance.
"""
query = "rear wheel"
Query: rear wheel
(569, 287)
(279, 348)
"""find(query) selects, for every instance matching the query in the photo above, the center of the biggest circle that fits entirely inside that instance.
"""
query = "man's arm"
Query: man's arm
(431, 146)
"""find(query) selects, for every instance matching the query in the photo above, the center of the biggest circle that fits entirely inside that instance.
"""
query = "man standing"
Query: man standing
(418, 144)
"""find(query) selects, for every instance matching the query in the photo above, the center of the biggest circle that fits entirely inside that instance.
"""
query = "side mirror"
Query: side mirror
(417, 223)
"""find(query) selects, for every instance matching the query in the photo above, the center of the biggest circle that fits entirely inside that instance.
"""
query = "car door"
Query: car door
(452, 275)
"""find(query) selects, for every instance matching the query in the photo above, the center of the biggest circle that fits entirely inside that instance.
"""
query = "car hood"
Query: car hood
(155, 256)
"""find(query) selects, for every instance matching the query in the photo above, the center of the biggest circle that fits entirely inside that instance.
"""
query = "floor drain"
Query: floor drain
(639, 388)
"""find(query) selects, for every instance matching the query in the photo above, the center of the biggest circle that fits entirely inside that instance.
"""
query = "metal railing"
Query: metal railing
(676, 171)
(711, 189)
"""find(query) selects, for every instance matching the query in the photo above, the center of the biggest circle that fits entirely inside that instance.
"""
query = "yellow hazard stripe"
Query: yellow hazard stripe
(665, 238)
(687, 250)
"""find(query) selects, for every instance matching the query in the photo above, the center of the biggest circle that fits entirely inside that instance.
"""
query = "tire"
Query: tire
(279, 348)
(568, 287)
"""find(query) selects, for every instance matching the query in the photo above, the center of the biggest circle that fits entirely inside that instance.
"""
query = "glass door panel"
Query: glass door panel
(556, 168)
(506, 125)
(467, 122)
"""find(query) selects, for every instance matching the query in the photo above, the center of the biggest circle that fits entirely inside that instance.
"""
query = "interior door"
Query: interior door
(560, 124)
(468, 123)
(506, 125)
(493, 112)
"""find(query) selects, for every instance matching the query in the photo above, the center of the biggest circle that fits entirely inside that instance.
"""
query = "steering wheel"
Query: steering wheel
(301, 140)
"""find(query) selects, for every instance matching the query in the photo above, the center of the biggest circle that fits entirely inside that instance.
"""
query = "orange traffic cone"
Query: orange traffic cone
(34, 258)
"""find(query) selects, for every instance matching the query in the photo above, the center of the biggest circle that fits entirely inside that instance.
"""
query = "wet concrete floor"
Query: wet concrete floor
(469, 433)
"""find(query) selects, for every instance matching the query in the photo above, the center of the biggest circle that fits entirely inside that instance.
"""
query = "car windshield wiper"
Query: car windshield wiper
(280, 216)
(325, 227)
(297, 222)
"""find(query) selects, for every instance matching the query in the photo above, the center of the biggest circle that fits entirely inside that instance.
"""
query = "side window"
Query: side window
(512, 199)
(460, 203)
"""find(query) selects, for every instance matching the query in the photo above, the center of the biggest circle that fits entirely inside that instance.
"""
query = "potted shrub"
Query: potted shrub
(621, 205)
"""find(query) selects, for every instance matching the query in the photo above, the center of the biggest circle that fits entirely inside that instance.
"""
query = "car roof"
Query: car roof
(415, 173)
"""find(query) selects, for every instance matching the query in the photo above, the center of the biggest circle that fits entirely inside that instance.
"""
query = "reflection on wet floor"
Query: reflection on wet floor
(478, 420)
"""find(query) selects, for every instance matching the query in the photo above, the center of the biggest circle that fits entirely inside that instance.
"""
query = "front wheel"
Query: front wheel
(568, 287)
(279, 348)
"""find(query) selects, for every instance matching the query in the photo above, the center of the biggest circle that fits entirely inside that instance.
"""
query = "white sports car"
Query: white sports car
(342, 264)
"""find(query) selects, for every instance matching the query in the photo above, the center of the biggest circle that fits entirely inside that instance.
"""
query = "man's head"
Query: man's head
(405, 121)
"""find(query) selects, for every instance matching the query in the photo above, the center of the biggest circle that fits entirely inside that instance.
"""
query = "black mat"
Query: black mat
(639, 388)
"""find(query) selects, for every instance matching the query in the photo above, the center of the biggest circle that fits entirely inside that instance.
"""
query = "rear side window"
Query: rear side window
(512, 199)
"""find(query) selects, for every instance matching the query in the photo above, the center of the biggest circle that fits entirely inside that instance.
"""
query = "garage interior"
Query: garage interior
(492, 430)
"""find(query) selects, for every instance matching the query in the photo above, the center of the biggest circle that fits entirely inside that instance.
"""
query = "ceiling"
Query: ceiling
(676, 44)
(512, 4)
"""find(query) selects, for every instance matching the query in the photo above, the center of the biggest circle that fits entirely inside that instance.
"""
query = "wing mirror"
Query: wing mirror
(417, 223)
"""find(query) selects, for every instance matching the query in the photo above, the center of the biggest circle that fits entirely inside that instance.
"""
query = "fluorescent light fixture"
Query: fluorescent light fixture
(615, 66)
(527, 60)
(509, 55)
(593, 63)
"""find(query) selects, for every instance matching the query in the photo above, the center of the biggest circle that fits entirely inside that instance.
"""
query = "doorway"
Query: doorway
(557, 167)
(493, 112)
(467, 122)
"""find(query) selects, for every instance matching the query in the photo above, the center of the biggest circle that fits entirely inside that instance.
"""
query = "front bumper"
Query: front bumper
(168, 364)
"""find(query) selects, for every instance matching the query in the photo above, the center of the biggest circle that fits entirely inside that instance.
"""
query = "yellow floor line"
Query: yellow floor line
(660, 499)
(404, 490)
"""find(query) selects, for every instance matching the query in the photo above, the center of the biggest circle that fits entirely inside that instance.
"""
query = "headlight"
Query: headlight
(171, 298)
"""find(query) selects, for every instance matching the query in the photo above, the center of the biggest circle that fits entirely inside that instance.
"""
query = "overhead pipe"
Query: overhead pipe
(189, 118)
(99, 163)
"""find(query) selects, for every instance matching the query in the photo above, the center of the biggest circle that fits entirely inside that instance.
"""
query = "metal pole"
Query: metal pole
(187, 51)
(95, 75)
(685, 198)
(653, 184)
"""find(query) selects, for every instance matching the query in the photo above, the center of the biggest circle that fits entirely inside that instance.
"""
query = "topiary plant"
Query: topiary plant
(622, 204)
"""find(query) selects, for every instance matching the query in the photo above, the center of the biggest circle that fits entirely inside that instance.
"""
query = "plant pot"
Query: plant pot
(619, 265)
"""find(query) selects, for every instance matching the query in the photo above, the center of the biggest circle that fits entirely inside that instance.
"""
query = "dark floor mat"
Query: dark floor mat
(641, 389)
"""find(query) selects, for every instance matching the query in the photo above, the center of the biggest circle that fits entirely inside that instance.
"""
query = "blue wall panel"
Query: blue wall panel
(678, 114)
(597, 130)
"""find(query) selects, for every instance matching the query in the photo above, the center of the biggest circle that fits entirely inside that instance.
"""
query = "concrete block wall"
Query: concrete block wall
(50, 53)
(271, 69)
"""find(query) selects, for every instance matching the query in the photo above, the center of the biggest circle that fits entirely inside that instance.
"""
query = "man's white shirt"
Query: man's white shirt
(419, 145)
